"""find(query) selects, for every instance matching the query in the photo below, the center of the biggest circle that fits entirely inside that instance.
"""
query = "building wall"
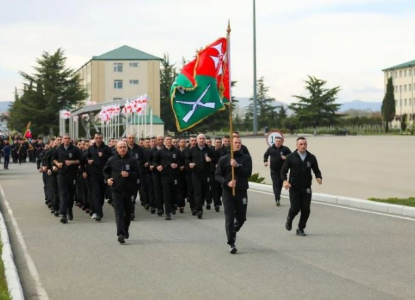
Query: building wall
(404, 89)
(98, 76)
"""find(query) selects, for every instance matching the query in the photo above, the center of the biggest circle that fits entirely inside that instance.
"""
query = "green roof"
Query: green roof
(156, 120)
(401, 66)
(126, 53)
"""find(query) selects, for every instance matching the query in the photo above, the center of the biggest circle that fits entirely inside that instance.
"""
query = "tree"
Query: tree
(319, 108)
(266, 111)
(51, 88)
(167, 76)
(388, 105)
(282, 116)
(403, 122)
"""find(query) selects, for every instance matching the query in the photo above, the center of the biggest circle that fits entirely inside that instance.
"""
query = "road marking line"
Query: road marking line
(41, 292)
(345, 207)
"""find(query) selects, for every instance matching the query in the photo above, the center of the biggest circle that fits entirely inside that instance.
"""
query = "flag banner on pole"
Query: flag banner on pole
(65, 114)
(28, 133)
(199, 90)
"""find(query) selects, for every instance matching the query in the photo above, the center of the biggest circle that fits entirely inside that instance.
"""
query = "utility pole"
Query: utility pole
(255, 113)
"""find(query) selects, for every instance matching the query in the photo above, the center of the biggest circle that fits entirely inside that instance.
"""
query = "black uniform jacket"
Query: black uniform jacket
(113, 168)
(242, 172)
(276, 153)
(99, 162)
(72, 153)
(300, 171)
(197, 156)
(165, 157)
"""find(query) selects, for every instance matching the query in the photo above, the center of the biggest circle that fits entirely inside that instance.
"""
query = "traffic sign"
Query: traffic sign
(272, 136)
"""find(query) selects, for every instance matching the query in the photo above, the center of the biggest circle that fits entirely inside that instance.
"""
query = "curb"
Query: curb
(10, 270)
(347, 201)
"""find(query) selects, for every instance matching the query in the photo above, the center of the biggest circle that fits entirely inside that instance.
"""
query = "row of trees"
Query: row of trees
(54, 86)
(51, 88)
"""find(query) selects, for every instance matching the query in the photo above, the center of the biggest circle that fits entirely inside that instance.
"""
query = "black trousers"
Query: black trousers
(89, 193)
(201, 187)
(66, 186)
(54, 192)
(46, 181)
(276, 183)
(98, 191)
(150, 186)
(123, 202)
(300, 201)
(235, 208)
(170, 191)
(158, 193)
(189, 190)
(216, 191)
(144, 188)
(181, 190)
(6, 161)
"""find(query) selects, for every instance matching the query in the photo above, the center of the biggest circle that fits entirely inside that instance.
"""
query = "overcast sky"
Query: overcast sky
(346, 42)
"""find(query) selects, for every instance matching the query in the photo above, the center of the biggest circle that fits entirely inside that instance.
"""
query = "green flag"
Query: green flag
(198, 90)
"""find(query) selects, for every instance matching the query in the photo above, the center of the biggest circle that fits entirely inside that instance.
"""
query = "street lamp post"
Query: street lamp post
(255, 113)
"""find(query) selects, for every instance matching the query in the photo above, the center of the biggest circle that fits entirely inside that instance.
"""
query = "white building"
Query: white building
(404, 87)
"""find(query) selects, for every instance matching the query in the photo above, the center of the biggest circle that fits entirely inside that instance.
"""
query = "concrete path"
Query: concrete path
(347, 255)
(354, 166)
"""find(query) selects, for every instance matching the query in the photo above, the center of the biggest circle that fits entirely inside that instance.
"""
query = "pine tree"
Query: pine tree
(388, 105)
(167, 76)
(319, 108)
(51, 88)
(266, 111)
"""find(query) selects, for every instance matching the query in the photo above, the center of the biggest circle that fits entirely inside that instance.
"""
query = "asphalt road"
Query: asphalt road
(347, 254)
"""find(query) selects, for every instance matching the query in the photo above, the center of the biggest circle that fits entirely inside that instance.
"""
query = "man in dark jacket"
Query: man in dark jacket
(278, 153)
(199, 160)
(67, 157)
(300, 163)
(121, 173)
(97, 157)
(167, 162)
(6, 153)
(135, 151)
(235, 206)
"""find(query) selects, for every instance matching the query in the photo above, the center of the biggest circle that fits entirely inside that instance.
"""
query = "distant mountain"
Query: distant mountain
(4, 106)
(356, 104)
(361, 105)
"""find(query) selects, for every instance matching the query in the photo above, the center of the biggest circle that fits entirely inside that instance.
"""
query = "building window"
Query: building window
(404, 88)
(396, 103)
(396, 89)
(404, 73)
(117, 99)
(134, 64)
(400, 89)
(410, 72)
(395, 75)
(117, 84)
(118, 67)
(133, 81)
(404, 102)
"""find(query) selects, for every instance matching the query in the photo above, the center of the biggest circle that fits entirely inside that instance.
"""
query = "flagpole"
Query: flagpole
(228, 54)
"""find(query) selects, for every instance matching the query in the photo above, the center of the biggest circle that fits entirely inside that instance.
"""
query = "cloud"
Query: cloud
(347, 43)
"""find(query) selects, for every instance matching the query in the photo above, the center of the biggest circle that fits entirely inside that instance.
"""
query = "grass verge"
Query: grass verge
(407, 202)
(4, 294)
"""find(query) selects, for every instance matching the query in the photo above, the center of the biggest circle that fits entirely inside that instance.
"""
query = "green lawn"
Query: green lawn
(407, 202)
(4, 295)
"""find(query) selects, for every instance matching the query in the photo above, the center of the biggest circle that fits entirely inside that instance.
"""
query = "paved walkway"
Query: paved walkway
(347, 255)
(354, 166)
